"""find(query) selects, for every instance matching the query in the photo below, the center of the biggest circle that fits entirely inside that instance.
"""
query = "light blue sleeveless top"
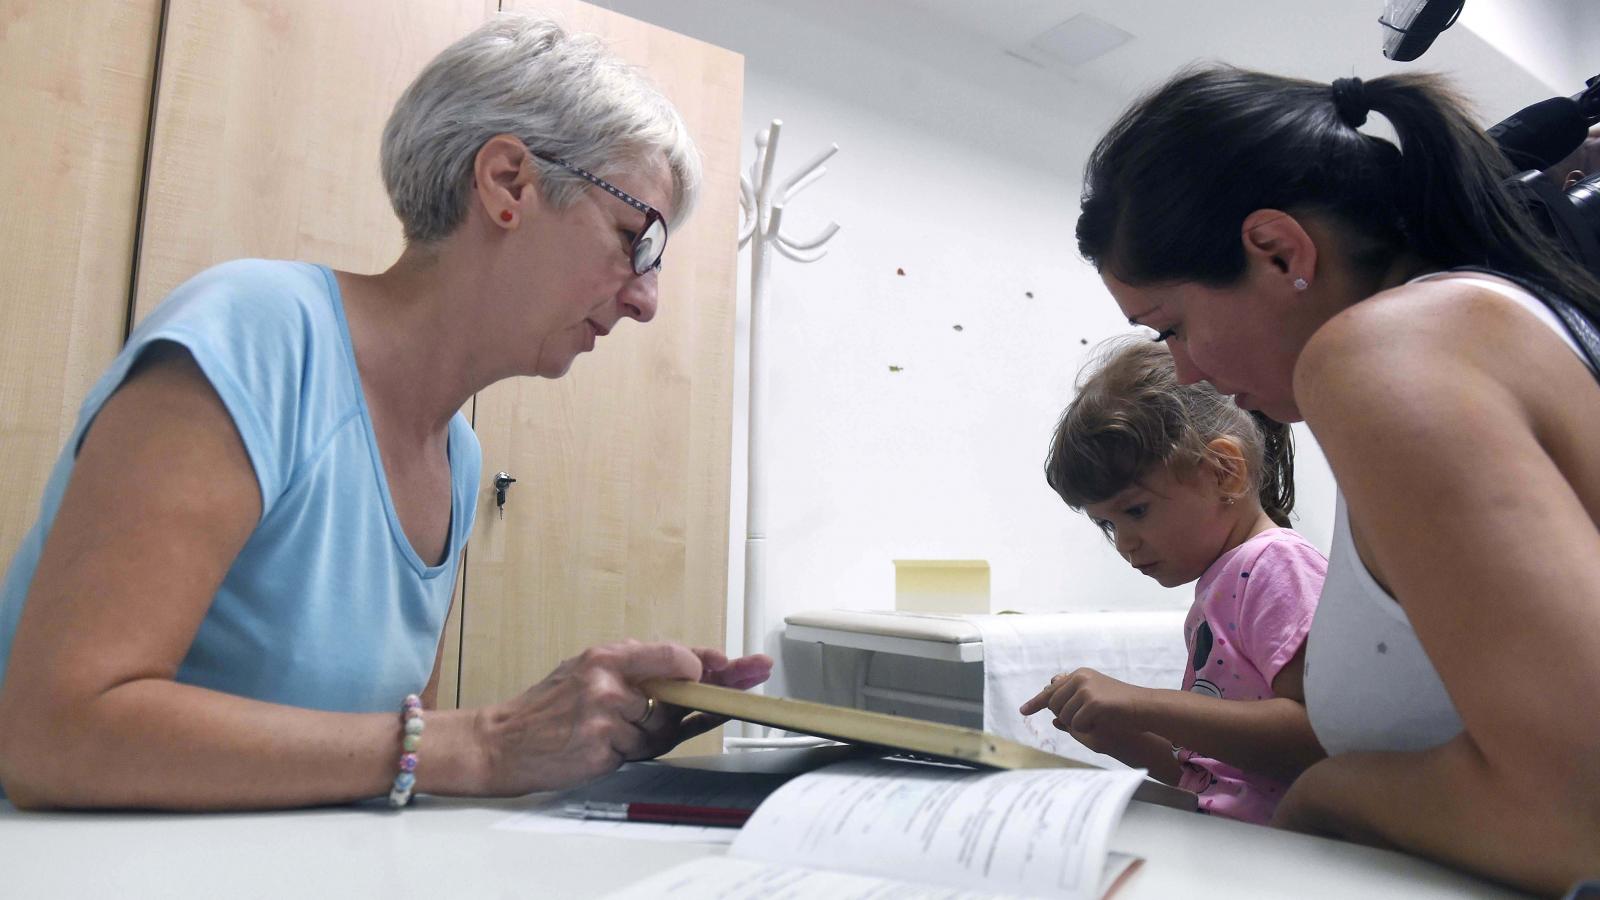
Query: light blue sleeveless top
(328, 606)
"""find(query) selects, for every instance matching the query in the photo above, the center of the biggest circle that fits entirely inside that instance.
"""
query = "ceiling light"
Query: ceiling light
(1079, 40)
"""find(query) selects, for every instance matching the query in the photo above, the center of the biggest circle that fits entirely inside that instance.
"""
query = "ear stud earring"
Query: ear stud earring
(1301, 284)
(505, 215)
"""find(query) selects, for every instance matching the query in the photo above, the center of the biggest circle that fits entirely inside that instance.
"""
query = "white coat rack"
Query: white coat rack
(762, 203)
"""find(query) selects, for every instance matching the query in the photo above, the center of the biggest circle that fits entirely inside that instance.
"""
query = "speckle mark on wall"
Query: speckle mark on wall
(958, 328)
(899, 271)
(1028, 294)
(896, 369)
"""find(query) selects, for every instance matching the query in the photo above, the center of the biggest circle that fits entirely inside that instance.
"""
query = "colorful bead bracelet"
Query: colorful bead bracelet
(410, 742)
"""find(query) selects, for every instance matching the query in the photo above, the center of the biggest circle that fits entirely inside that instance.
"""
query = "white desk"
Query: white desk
(448, 848)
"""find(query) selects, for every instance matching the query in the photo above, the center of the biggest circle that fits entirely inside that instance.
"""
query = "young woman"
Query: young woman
(1298, 265)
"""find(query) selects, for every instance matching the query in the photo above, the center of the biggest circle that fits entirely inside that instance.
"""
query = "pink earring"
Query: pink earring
(1301, 284)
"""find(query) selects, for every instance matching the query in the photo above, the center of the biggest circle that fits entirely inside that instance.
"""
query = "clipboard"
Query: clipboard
(895, 734)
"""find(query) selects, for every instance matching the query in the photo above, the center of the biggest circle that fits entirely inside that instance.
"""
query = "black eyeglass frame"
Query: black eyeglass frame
(651, 215)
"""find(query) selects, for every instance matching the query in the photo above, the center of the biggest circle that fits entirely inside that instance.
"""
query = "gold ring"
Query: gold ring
(649, 709)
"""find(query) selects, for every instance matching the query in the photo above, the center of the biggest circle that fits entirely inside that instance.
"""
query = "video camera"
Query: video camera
(1534, 139)
(1540, 136)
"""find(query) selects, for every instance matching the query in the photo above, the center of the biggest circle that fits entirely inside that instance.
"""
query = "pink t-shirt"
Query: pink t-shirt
(1251, 612)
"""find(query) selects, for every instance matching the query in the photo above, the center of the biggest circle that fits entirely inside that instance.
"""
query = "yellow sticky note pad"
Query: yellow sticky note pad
(951, 586)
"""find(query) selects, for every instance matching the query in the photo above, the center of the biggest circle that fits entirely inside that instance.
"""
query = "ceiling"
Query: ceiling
(961, 69)
(1321, 39)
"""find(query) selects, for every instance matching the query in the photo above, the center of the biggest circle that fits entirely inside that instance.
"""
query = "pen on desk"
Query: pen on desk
(668, 813)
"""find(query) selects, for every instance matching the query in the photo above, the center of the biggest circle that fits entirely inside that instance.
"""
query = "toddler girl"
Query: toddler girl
(1190, 487)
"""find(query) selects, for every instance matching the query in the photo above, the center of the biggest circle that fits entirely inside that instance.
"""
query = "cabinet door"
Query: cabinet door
(617, 525)
(268, 121)
(75, 86)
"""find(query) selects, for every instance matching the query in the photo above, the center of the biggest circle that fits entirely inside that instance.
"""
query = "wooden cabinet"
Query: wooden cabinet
(617, 525)
(75, 82)
(268, 121)
(263, 142)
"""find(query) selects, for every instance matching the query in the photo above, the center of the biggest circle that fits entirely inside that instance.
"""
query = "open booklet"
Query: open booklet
(917, 737)
(905, 829)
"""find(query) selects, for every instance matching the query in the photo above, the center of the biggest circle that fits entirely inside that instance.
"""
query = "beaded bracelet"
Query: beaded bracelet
(411, 719)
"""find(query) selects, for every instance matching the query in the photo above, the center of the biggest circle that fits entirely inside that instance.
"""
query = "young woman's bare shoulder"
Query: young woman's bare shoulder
(1433, 331)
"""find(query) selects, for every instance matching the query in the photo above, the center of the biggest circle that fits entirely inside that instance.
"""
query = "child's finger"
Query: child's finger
(1038, 701)
(1042, 699)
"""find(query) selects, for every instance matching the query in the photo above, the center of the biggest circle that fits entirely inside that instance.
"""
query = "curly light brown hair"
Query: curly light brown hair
(1131, 415)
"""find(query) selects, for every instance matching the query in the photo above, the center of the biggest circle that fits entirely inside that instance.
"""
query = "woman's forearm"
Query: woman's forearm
(1533, 829)
(1271, 736)
(156, 744)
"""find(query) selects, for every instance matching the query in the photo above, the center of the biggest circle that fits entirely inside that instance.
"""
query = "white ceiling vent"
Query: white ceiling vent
(1078, 40)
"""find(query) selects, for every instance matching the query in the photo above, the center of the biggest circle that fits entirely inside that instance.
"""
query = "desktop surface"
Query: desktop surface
(451, 848)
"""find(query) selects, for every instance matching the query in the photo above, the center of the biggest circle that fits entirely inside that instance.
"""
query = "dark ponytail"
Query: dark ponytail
(1168, 187)
(1451, 191)
(1277, 469)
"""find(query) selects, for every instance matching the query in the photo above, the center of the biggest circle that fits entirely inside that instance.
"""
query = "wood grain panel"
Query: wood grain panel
(269, 116)
(617, 526)
(75, 86)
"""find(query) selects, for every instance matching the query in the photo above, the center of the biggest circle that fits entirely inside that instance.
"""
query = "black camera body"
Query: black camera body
(1537, 138)
(1571, 215)
(1534, 138)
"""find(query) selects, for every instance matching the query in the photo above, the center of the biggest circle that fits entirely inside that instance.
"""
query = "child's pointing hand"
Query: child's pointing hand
(1085, 701)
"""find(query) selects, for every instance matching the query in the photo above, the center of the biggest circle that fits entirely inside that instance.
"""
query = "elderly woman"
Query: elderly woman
(245, 554)
(1303, 267)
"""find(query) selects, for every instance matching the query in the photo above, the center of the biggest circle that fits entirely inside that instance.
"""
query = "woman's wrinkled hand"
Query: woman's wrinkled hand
(668, 726)
(589, 716)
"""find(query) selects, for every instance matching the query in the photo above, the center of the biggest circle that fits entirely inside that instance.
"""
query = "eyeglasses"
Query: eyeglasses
(651, 241)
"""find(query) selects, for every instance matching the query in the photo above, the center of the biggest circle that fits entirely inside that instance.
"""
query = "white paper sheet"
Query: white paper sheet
(1037, 831)
(727, 878)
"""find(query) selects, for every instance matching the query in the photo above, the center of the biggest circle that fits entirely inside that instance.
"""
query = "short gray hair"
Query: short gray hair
(564, 95)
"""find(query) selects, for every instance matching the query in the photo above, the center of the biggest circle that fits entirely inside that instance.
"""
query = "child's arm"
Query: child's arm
(1137, 749)
(1272, 737)
(1141, 750)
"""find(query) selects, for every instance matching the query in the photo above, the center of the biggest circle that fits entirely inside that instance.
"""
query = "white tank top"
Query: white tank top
(1368, 683)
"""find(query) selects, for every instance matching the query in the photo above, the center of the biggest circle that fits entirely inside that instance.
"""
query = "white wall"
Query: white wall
(1588, 29)
(973, 192)
(1556, 41)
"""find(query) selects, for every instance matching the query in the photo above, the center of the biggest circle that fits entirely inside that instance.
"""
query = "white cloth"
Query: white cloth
(1022, 652)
